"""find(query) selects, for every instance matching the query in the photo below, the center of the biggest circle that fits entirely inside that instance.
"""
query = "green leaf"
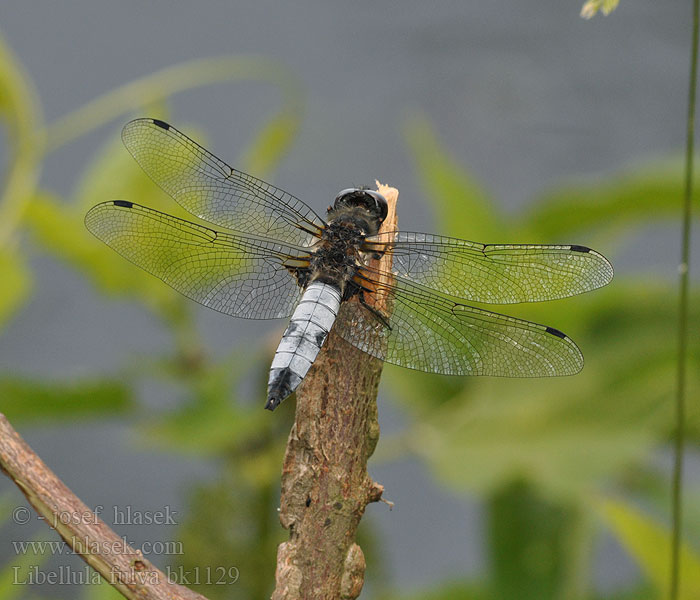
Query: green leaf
(155, 88)
(20, 109)
(214, 421)
(18, 104)
(612, 204)
(451, 590)
(650, 544)
(233, 523)
(565, 434)
(10, 82)
(591, 7)
(651, 482)
(13, 575)
(612, 413)
(27, 399)
(271, 144)
(60, 229)
(422, 392)
(114, 174)
(16, 283)
(6, 506)
(100, 591)
(644, 592)
(463, 208)
(530, 543)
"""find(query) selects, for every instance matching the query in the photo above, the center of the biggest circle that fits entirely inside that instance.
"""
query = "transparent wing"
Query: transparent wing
(208, 188)
(432, 333)
(235, 274)
(494, 273)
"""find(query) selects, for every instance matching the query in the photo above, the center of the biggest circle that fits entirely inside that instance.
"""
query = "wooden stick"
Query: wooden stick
(325, 484)
(119, 564)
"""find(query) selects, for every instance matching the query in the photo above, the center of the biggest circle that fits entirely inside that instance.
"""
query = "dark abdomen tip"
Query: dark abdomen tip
(272, 403)
(279, 388)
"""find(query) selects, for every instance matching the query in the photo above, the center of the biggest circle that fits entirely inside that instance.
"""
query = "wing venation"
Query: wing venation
(430, 332)
(208, 188)
(240, 275)
(494, 273)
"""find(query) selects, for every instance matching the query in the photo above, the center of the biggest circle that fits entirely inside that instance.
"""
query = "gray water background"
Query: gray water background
(526, 94)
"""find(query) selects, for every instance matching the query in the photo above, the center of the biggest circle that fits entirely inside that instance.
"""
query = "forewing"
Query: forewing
(494, 273)
(211, 190)
(235, 274)
(430, 332)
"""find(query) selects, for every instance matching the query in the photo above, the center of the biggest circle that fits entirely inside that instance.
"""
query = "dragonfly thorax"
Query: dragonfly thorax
(337, 256)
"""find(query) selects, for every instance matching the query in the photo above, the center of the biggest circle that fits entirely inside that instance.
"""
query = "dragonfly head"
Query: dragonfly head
(373, 202)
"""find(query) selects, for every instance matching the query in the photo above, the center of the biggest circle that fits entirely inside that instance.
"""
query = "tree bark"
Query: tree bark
(325, 484)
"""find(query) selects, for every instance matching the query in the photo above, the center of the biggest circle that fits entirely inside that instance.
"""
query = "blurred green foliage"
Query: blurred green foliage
(214, 419)
(541, 452)
(591, 7)
(649, 543)
(556, 462)
(41, 400)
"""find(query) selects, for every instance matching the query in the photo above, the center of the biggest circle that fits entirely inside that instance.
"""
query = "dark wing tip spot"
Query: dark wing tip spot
(556, 332)
(123, 203)
(577, 248)
(161, 124)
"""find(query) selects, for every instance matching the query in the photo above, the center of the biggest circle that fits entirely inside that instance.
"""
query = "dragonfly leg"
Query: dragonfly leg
(377, 314)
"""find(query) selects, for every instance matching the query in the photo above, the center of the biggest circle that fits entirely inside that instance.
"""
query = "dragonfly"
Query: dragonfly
(268, 255)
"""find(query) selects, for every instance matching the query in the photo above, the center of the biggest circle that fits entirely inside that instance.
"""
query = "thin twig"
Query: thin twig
(119, 564)
(325, 484)
(683, 314)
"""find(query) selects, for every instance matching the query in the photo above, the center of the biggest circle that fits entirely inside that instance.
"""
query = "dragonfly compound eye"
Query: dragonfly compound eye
(380, 203)
(370, 200)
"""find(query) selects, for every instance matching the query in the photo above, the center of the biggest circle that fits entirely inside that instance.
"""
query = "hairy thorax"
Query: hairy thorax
(337, 256)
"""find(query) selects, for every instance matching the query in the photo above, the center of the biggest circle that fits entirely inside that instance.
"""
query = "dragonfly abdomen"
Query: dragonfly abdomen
(301, 342)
